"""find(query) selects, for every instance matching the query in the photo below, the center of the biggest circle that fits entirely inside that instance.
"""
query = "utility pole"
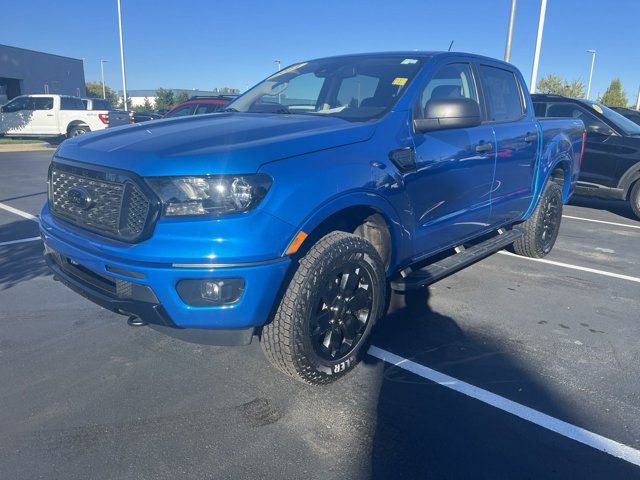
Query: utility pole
(536, 54)
(638, 101)
(512, 17)
(104, 92)
(124, 75)
(593, 61)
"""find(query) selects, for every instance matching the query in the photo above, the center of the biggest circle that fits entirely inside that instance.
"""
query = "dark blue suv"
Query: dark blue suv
(290, 214)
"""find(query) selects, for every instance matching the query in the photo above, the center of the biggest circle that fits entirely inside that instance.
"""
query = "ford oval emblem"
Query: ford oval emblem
(80, 197)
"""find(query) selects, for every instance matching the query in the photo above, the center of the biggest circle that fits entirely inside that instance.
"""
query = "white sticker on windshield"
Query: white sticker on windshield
(409, 61)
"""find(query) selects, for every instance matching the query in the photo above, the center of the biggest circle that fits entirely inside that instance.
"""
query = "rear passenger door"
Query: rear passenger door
(516, 134)
(43, 118)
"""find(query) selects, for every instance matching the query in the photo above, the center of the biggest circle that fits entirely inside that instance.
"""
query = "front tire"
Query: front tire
(541, 229)
(323, 322)
(634, 199)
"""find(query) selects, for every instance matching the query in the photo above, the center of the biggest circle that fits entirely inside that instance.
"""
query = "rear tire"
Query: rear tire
(78, 130)
(541, 229)
(321, 328)
(634, 199)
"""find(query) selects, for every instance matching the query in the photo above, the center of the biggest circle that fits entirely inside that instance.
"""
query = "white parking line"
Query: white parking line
(22, 240)
(574, 267)
(534, 416)
(601, 221)
(18, 212)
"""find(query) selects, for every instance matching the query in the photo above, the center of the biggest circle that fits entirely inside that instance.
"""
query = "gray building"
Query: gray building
(24, 72)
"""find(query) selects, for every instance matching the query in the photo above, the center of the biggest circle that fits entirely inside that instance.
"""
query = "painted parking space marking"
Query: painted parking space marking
(543, 420)
(574, 267)
(22, 240)
(616, 224)
(18, 212)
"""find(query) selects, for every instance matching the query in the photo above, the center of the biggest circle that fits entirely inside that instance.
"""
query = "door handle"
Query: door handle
(484, 147)
(531, 137)
(49, 114)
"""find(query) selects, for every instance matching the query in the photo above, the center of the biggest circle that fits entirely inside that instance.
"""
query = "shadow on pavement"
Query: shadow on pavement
(425, 430)
(617, 207)
(20, 262)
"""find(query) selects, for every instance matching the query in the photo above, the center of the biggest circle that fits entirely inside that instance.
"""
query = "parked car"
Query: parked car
(199, 105)
(611, 166)
(288, 215)
(115, 117)
(633, 115)
(49, 116)
(138, 117)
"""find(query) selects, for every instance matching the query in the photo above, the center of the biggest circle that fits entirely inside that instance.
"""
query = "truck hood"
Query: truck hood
(212, 144)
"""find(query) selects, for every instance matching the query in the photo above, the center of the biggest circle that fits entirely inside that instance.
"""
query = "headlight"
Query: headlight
(210, 195)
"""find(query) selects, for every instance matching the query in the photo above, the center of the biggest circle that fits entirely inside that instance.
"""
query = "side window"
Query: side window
(540, 109)
(353, 90)
(503, 96)
(183, 111)
(451, 81)
(71, 103)
(592, 123)
(16, 105)
(41, 103)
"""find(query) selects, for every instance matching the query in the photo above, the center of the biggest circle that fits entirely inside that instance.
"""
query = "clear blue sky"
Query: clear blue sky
(205, 43)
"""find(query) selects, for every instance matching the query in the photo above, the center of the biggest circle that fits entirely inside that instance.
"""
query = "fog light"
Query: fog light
(209, 292)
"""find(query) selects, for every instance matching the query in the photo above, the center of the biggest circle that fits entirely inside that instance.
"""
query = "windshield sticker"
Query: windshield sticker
(399, 81)
(409, 61)
(597, 108)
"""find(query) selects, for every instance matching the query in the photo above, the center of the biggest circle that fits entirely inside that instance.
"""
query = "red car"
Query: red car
(200, 105)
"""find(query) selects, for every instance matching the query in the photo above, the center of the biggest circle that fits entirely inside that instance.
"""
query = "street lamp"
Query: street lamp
(593, 61)
(102, 62)
(512, 16)
(124, 76)
(536, 54)
(278, 64)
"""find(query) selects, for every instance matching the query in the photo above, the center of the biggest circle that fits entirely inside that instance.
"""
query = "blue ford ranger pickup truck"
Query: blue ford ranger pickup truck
(292, 214)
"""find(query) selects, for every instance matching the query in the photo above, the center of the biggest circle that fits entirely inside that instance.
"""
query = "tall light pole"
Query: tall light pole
(593, 61)
(536, 54)
(278, 64)
(102, 62)
(638, 101)
(512, 16)
(124, 75)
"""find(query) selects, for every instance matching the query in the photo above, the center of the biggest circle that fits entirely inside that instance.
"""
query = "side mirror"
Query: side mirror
(598, 129)
(448, 113)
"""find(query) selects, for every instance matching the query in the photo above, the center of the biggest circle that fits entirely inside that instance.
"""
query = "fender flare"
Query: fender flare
(629, 178)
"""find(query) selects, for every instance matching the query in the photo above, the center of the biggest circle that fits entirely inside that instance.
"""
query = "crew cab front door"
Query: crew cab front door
(449, 190)
(15, 118)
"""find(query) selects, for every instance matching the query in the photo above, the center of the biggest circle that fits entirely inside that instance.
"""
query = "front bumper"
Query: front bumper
(148, 290)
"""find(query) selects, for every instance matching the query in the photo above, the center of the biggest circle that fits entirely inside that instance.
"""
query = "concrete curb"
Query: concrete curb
(25, 147)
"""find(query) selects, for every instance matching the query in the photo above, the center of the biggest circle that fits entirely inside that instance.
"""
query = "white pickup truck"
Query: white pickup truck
(53, 116)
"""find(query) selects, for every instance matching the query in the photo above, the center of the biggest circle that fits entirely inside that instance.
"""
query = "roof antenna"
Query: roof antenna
(450, 46)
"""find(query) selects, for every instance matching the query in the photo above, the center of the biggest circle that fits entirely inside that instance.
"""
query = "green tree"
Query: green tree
(615, 96)
(147, 106)
(164, 99)
(182, 97)
(559, 86)
(94, 90)
(121, 103)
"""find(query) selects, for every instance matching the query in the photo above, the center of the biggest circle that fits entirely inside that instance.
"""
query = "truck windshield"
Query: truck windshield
(623, 123)
(356, 88)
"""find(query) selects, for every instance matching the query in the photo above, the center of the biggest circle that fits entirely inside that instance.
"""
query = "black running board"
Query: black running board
(449, 265)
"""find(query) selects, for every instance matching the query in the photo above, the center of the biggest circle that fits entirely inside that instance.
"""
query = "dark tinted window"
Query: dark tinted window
(540, 109)
(504, 100)
(99, 104)
(572, 110)
(15, 105)
(203, 108)
(71, 103)
(41, 103)
(181, 111)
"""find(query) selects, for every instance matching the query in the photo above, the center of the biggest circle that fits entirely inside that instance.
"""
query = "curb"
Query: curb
(25, 147)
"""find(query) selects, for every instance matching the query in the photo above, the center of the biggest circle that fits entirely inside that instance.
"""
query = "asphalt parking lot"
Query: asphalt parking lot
(532, 371)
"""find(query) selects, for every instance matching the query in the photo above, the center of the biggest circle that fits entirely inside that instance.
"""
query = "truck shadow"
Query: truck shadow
(20, 262)
(425, 430)
(617, 207)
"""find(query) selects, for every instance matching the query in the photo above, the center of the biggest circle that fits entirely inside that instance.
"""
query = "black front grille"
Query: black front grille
(112, 204)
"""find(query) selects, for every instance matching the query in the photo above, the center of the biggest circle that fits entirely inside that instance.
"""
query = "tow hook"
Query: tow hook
(134, 321)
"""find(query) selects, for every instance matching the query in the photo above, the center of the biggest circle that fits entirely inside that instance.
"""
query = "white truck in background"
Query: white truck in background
(53, 116)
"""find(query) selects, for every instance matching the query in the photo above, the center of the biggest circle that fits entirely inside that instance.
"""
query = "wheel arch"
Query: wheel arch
(76, 123)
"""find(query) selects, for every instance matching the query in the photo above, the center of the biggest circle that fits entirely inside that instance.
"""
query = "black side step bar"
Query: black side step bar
(465, 257)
